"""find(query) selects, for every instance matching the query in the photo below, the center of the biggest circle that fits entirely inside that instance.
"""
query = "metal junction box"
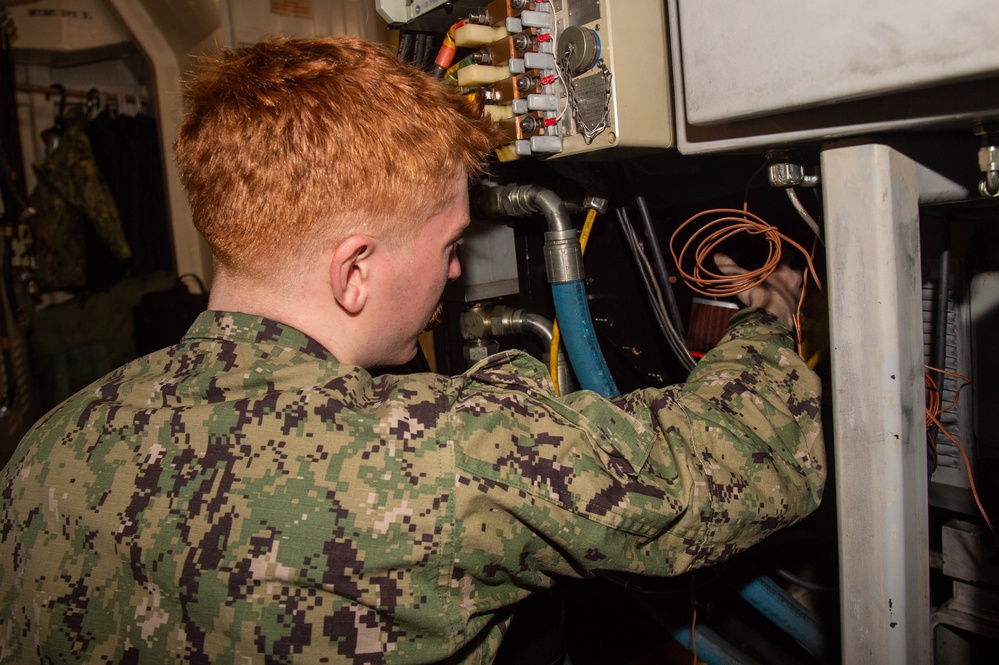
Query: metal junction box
(756, 74)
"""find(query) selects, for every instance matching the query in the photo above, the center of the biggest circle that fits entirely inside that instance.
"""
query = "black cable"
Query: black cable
(6, 338)
(673, 338)
(420, 51)
(7, 179)
(15, 209)
(660, 264)
(405, 45)
(648, 280)
(430, 49)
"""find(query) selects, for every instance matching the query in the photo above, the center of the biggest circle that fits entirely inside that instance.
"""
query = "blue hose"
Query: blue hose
(785, 612)
(579, 338)
(711, 648)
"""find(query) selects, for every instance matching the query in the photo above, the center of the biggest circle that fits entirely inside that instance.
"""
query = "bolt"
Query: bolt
(598, 203)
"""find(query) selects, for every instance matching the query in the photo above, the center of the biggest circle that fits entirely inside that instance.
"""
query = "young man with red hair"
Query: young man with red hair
(254, 495)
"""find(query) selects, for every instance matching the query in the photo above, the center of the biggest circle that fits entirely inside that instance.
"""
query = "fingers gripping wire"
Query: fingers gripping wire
(719, 225)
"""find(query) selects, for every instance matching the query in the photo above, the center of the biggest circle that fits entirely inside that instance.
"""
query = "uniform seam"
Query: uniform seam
(446, 415)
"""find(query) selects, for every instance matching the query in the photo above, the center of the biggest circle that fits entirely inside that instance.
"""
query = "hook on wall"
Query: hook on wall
(93, 101)
(61, 109)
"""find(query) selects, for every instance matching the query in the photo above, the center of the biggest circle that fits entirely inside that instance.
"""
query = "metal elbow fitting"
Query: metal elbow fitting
(480, 323)
(988, 159)
(563, 256)
(988, 162)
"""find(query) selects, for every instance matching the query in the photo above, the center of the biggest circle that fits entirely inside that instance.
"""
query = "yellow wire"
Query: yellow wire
(591, 216)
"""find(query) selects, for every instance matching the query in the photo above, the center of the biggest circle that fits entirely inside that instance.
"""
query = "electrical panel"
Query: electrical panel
(564, 77)
(399, 12)
(614, 88)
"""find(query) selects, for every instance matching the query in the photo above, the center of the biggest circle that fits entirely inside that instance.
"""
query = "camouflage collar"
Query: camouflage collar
(253, 329)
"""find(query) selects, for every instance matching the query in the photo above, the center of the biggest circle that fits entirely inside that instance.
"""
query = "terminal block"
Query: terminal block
(515, 46)
(514, 74)
(512, 69)
(498, 11)
(519, 86)
(517, 95)
(595, 72)
(523, 127)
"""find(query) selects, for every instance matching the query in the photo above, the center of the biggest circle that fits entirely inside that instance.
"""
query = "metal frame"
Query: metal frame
(872, 195)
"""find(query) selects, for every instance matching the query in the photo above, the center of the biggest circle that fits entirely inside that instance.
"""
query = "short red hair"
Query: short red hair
(291, 143)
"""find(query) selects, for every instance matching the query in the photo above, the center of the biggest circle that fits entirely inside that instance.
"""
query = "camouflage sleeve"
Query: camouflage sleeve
(653, 482)
(241, 497)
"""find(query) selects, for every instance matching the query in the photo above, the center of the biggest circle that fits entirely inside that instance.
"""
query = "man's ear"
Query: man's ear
(350, 268)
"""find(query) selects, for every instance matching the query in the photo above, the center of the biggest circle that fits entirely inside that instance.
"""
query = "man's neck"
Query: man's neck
(305, 306)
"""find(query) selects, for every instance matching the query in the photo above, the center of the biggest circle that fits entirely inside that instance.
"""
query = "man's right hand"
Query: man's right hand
(778, 294)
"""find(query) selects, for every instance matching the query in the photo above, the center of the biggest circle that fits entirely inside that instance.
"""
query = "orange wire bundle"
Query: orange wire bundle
(704, 242)
(934, 409)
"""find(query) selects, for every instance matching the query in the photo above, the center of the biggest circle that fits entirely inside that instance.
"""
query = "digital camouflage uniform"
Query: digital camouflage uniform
(242, 497)
(72, 193)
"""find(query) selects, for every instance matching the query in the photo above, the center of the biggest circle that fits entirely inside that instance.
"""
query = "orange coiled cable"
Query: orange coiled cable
(705, 241)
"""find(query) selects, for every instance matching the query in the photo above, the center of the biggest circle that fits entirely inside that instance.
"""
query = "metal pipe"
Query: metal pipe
(523, 200)
(480, 324)
(520, 321)
(563, 257)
